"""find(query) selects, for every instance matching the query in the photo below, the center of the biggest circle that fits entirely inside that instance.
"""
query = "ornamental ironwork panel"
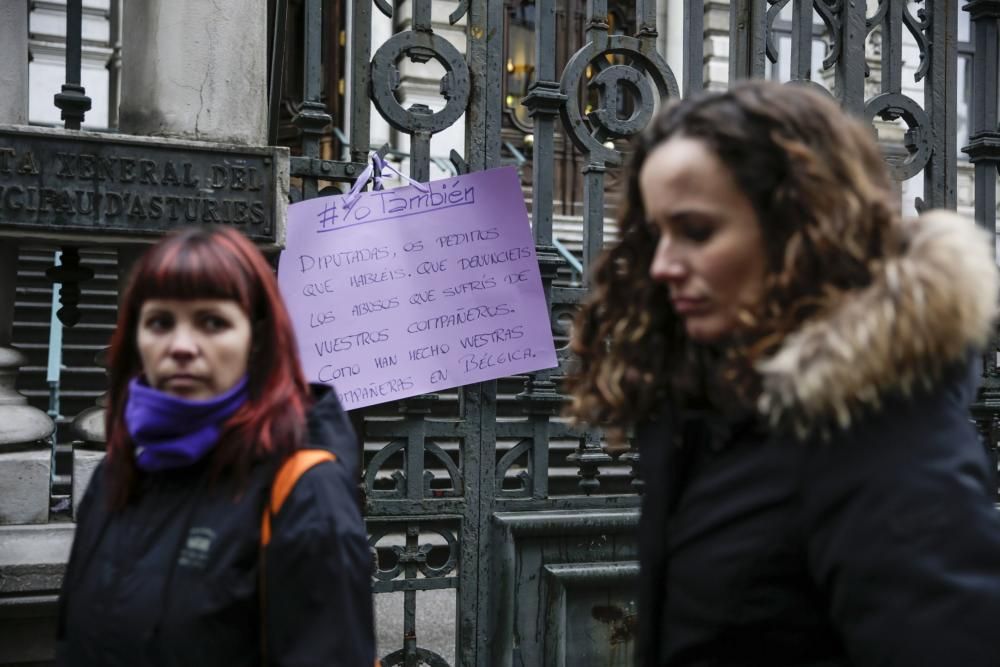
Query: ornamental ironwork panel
(484, 490)
(845, 29)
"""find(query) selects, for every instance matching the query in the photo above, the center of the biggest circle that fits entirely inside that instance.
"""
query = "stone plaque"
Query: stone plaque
(72, 182)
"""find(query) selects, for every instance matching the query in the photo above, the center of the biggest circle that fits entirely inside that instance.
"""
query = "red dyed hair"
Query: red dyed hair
(213, 263)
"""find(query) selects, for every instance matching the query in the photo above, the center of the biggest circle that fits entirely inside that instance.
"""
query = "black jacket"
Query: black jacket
(860, 530)
(173, 578)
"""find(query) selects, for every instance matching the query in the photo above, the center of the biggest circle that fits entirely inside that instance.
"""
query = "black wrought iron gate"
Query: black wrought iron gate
(485, 490)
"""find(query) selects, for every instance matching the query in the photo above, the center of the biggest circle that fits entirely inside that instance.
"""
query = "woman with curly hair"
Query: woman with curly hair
(798, 361)
(194, 544)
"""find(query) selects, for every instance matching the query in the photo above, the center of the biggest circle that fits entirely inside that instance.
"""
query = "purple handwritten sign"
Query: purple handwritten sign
(401, 292)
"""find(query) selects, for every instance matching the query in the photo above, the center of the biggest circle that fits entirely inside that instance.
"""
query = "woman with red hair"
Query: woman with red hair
(207, 401)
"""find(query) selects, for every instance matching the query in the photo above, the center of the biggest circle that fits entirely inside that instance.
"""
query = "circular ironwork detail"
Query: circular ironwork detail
(891, 106)
(416, 554)
(644, 61)
(419, 47)
(610, 81)
(423, 655)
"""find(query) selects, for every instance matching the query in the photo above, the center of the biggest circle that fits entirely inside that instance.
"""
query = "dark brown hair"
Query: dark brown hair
(216, 263)
(824, 200)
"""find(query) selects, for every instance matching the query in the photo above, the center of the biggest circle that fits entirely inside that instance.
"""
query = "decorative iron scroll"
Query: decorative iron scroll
(611, 81)
(829, 11)
(419, 47)
(928, 145)
(523, 477)
(891, 104)
(398, 476)
(412, 559)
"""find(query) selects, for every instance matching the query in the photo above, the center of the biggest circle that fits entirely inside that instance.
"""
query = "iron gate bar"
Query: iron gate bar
(747, 29)
(984, 144)
(357, 70)
(312, 118)
(593, 211)
(802, 39)
(984, 153)
(889, 18)
(72, 99)
(850, 66)
(277, 70)
(646, 13)
(941, 101)
(115, 62)
(331, 170)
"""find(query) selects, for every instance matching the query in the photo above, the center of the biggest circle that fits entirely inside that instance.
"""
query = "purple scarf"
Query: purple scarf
(171, 432)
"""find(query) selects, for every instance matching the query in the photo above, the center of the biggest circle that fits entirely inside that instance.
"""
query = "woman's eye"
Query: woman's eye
(214, 323)
(697, 233)
(158, 323)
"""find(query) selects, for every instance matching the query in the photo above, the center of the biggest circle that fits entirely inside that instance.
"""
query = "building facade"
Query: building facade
(481, 501)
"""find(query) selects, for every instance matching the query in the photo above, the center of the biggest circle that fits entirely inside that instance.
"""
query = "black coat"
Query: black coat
(173, 578)
(872, 541)
(882, 548)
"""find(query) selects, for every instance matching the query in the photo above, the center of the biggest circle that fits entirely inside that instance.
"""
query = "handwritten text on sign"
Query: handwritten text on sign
(401, 292)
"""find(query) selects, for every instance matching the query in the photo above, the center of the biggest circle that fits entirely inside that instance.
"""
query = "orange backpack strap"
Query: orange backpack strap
(288, 475)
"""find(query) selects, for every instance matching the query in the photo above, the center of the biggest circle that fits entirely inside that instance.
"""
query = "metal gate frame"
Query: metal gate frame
(521, 558)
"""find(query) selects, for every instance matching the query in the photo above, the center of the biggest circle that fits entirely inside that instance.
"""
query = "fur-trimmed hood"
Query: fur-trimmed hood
(925, 309)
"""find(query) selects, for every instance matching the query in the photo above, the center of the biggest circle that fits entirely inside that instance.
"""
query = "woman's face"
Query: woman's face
(194, 349)
(710, 252)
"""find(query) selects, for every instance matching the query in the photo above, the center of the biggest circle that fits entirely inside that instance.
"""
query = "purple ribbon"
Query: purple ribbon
(171, 432)
(375, 172)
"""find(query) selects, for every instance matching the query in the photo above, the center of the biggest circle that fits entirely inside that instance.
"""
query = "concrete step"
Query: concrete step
(92, 378)
(88, 333)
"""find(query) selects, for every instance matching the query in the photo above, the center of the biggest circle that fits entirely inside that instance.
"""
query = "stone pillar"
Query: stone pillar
(195, 70)
(716, 73)
(14, 62)
(25, 453)
(671, 40)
